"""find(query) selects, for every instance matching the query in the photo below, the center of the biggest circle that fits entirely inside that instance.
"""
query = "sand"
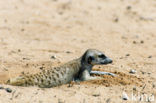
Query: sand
(37, 35)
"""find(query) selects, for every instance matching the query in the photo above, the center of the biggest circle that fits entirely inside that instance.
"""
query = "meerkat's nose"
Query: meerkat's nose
(109, 60)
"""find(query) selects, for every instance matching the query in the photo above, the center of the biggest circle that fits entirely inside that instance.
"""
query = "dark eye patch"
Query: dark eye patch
(102, 56)
(90, 59)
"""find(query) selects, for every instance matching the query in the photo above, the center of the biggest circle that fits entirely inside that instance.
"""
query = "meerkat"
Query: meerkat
(77, 69)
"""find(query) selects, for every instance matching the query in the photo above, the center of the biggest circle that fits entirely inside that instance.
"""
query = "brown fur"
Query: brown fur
(49, 78)
(76, 69)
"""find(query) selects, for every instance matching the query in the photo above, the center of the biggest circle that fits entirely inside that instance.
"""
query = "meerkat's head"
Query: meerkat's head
(95, 57)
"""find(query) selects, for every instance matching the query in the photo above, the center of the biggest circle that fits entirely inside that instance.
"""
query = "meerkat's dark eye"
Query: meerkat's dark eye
(102, 56)
(90, 59)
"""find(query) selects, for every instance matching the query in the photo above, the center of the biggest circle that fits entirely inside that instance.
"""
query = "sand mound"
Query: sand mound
(120, 79)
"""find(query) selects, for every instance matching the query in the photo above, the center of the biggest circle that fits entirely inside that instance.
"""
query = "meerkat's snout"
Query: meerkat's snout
(106, 61)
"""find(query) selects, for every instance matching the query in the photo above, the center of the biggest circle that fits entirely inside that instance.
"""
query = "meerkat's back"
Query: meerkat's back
(51, 77)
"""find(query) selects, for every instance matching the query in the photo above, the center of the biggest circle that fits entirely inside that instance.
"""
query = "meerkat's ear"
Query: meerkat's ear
(90, 58)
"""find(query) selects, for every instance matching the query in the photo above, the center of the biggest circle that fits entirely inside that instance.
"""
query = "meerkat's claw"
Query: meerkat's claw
(102, 73)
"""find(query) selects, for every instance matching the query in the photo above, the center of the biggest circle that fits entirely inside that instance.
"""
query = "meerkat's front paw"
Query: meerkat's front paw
(102, 73)
(93, 78)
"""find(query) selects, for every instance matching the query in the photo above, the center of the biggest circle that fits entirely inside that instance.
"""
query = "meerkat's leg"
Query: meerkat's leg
(86, 76)
(102, 73)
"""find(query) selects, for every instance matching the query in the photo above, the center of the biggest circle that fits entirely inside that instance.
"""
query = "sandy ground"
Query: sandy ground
(32, 31)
